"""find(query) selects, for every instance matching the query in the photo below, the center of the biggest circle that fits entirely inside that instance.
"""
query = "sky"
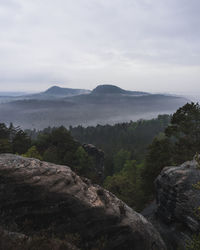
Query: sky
(147, 45)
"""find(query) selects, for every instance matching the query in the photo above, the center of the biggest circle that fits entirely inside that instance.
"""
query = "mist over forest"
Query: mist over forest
(106, 104)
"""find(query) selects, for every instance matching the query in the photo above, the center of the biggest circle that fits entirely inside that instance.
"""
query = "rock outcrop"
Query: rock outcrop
(98, 157)
(43, 198)
(176, 213)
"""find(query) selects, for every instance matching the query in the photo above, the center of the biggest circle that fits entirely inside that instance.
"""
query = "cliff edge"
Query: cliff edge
(40, 198)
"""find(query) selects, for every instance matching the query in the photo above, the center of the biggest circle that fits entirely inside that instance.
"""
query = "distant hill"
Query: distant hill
(52, 93)
(11, 93)
(106, 104)
(10, 96)
(112, 89)
(58, 91)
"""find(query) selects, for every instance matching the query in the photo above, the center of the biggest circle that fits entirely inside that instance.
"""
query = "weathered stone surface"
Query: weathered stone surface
(42, 197)
(98, 157)
(177, 201)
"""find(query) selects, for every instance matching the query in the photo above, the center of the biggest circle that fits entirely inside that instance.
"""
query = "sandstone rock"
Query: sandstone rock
(98, 157)
(177, 201)
(39, 197)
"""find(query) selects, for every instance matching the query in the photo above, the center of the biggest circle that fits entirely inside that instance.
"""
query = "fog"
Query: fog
(87, 110)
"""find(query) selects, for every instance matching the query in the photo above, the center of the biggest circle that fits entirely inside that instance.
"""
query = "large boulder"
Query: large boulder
(43, 198)
(175, 213)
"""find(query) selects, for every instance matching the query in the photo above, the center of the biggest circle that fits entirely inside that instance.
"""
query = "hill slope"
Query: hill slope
(112, 89)
(105, 105)
(57, 91)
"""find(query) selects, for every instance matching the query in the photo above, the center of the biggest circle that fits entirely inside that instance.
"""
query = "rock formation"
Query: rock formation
(40, 198)
(175, 213)
(98, 157)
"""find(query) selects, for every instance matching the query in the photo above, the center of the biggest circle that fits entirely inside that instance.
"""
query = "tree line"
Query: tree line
(135, 152)
(55, 145)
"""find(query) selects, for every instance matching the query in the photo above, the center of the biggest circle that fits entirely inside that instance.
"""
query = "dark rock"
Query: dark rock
(177, 201)
(43, 198)
(98, 157)
(13, 236)
(16, 241)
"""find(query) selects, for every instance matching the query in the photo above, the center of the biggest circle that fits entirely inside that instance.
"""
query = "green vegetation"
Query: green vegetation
(126, 184)
(13, 140)
(194, 244)
(130, 138)
(135, 152)
(184, 132)
(179, 143)
(53, 145)
(125, 146)
(33, 153)
(152, 145)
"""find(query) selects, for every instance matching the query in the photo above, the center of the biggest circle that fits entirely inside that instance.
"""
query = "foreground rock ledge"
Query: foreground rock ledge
(38, 197)
(175, 213)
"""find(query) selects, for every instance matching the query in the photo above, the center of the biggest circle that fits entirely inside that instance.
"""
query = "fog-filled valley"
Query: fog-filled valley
(60, 167)
(84, 155)
(106, 104)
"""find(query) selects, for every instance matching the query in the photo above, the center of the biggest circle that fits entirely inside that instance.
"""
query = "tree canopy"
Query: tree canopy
(179, 143)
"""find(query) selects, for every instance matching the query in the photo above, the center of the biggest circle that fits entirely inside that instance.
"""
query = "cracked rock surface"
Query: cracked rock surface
(39, 197)
(175, 213)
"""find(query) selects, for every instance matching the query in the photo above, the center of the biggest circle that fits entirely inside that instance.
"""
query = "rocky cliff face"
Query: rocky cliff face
(40, 198)
(98, 157)
(175, 213)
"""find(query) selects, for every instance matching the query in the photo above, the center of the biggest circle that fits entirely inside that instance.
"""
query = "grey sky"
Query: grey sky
(149, 45)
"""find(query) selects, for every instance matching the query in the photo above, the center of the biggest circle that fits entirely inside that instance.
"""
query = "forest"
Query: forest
(135, 152)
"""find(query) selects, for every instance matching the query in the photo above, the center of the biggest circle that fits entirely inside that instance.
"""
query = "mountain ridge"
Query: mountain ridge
(60, 92)
(113, 89)
(107, 104)
(56, 90)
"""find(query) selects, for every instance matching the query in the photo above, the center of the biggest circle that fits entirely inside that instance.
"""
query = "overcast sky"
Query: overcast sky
(149, 45)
